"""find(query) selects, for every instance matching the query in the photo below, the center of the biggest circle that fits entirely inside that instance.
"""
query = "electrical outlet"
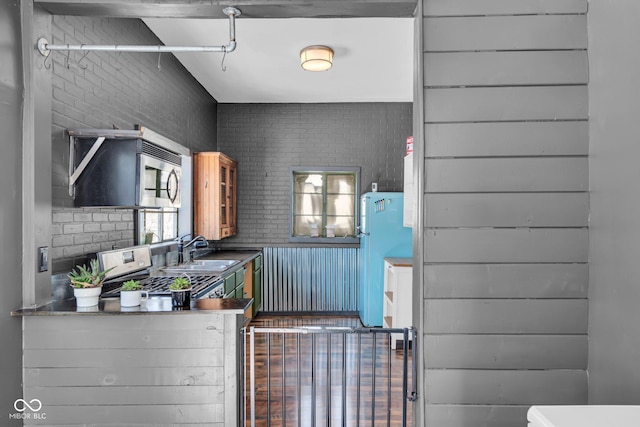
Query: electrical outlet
(43, 258)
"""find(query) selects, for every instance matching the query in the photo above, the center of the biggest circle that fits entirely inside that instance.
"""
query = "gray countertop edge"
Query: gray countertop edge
(154, 305)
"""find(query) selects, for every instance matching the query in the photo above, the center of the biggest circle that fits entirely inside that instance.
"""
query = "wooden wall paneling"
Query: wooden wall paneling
(524, 32)
(67, 324)
(487, 104)
(502, 7)
(506, 351)
(156, 415)
(507, 245)
(541, 174)
(124, 376)
(79, 339)
(505, 68)
(476, 415)
(120, 395)
(184, 377)
(495, 139)
(506, 387)
(501, 316)
(96, 358)
(529, 280)
(507, 209)
(232, 400)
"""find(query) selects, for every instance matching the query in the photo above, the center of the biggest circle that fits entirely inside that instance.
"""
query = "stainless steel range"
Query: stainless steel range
(135, 263)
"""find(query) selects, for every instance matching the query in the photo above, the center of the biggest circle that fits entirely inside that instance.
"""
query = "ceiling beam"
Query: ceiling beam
(249, 8)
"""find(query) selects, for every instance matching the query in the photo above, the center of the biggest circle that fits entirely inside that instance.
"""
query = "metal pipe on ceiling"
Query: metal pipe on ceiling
(45, 48)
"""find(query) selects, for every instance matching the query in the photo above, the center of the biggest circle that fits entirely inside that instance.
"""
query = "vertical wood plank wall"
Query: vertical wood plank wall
(505, 209)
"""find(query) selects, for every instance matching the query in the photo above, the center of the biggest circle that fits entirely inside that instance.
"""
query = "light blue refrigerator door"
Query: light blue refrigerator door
(384, 236)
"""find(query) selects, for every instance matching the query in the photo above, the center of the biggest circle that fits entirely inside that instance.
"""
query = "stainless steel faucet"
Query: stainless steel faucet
(198, 242)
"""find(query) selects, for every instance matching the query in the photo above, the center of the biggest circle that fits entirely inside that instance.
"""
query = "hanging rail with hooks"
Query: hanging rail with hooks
(45, 48)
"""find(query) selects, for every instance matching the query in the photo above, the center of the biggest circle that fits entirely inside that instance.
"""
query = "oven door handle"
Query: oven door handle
(173, 177)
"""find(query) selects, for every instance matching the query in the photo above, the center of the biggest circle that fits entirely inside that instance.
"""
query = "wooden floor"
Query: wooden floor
(323, 378)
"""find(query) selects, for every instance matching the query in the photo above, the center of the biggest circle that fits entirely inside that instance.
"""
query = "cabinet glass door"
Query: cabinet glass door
(223, 195)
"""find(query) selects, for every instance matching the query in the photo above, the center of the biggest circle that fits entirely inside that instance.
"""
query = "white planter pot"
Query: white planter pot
(87, 297)
(132, 298)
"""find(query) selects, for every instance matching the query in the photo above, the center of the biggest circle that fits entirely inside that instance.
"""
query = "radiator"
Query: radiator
(310, 279)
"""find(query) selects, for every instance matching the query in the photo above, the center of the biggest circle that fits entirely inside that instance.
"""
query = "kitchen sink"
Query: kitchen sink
(203, 266)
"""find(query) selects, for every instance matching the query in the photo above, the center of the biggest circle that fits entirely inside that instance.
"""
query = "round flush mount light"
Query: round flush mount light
(316, 58)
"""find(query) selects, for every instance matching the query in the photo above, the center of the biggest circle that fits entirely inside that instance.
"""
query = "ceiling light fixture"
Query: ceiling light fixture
(316, 58)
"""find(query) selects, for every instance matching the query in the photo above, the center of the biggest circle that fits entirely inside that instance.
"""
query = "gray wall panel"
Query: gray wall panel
(506, 351)
(558, 387)
(140, 379)
(507, 209)
(507, 280)
(502, 7)
(497, 139)
(120, 376)
(500, 316)
(524, 174)
(482, 104)
(507, 245)
(11, 117)
(476, 415)
(505, 68)
(614, 293)
(535, 32)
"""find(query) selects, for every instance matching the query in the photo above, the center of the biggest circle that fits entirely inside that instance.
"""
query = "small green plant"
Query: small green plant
(131, 285)
(180, 283)
(87, 277)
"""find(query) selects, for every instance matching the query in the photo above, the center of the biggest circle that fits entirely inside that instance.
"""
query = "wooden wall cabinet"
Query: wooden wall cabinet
(214, 195)
(397, 310)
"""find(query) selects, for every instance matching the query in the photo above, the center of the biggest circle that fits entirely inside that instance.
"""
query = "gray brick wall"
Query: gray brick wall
(267, 139)
(105, 89)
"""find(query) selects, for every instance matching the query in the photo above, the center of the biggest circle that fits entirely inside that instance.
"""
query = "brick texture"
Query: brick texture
(267, 139)
(106, 89)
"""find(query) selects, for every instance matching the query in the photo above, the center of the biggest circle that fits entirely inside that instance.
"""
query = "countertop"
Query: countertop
(400, 262)
(154, 305)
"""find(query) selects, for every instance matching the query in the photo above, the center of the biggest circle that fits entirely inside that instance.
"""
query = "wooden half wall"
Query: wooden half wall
(506, 209)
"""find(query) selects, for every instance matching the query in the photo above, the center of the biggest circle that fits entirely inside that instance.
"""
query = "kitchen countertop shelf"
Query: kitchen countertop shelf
(154, 305)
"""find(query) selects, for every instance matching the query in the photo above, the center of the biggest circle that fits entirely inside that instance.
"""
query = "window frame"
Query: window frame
(324, 170)
(139, 224)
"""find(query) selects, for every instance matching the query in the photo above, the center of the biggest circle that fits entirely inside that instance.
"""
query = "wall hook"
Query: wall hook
(80, 60)
(47, 65)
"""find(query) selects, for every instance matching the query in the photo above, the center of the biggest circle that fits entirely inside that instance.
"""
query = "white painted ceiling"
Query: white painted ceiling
(373, 59)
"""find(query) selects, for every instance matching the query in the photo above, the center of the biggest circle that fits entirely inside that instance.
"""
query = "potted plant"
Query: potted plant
(131, 294)
(180, 292)
(87, 283)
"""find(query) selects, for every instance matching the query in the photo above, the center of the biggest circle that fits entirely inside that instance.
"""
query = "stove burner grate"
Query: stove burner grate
(159, 285)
